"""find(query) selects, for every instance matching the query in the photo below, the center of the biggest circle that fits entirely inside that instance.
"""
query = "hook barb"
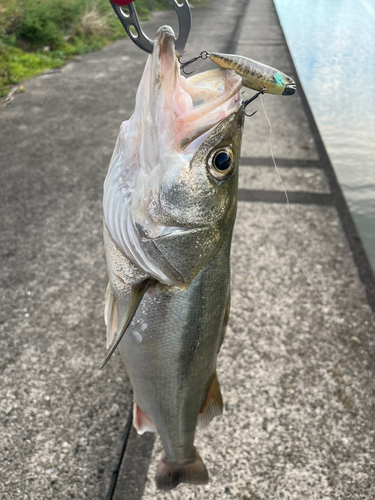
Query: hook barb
(246, 103)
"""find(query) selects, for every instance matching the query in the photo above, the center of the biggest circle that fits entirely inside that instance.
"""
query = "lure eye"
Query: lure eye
(221, 163)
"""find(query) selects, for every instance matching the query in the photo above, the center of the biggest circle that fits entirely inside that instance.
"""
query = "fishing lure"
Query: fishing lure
(255, 75)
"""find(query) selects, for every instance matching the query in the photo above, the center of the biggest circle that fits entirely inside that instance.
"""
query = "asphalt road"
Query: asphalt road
(296, 367)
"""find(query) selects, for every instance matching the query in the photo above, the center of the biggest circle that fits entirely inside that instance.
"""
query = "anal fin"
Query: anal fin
(141, 421)
(170, 476)
(213, 405)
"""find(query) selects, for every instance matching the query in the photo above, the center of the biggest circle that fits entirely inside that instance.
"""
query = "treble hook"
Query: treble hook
(246, 103)
(203, 55)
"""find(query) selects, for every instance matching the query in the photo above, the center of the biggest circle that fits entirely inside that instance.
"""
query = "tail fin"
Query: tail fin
(170, 476)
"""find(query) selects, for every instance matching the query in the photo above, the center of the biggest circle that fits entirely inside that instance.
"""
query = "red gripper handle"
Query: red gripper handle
(122, 2)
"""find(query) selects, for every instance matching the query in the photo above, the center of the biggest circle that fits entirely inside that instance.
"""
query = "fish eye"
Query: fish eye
(221, 163)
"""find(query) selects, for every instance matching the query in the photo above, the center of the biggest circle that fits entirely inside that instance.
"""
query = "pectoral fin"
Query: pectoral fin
(110, 314)
(136, 295)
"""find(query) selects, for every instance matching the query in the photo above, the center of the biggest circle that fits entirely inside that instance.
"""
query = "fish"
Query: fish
(256, 75)
(170, 198)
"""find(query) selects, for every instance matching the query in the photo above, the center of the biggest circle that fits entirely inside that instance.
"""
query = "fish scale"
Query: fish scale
(183, 328)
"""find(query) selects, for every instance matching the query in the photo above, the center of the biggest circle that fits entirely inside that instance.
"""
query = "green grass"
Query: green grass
(39, 35)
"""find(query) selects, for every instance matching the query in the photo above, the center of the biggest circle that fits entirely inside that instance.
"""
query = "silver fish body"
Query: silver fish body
(170, 348)
(175, 229)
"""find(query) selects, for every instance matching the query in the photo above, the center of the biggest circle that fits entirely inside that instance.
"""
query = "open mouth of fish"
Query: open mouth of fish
(145, 194)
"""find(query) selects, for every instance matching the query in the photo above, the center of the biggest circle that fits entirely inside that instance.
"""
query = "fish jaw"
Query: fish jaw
(155, 191)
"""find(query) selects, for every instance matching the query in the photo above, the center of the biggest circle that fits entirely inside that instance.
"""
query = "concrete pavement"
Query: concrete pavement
(296, 367)
(63, 423)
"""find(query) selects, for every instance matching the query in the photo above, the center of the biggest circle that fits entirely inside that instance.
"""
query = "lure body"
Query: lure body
(255, 75)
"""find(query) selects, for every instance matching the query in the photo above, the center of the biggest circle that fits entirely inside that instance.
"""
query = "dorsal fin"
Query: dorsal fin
(226, 318)
(213, 405)
(136, 295)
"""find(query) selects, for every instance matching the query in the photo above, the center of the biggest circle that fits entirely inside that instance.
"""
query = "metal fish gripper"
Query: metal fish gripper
(130, 22)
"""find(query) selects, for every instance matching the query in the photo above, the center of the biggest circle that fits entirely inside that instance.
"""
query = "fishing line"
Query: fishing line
(287, 201)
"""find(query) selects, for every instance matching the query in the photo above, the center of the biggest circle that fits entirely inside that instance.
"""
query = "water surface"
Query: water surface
(333, 47)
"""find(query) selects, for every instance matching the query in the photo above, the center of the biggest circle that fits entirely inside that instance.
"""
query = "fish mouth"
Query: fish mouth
(189, 107)
(290, 89)
(165, 39)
